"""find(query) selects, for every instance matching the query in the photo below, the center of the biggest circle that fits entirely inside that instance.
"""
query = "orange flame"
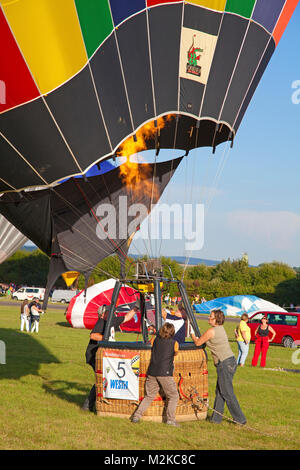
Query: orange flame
(137, 178)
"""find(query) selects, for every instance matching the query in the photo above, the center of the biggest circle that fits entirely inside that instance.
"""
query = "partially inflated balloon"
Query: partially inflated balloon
(11, 239)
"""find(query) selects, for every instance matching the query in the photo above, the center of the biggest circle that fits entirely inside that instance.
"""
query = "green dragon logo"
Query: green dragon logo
(194, 56)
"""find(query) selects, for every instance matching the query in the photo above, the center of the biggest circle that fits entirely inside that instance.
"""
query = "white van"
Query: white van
(63, 295)
(28, 293)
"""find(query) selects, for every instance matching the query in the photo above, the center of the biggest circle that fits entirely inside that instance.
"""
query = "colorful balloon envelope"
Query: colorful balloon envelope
(82, 311)
(236, 305)
(79, 77)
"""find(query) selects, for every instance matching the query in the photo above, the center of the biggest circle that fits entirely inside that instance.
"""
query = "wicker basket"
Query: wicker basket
(190, 374)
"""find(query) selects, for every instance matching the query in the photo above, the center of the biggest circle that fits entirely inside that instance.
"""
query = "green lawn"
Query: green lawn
(45, 380)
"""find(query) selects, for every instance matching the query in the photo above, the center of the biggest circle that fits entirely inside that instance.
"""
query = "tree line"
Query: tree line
(276, 282)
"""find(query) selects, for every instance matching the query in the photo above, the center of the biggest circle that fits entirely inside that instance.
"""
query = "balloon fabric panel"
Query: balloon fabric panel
(78, 116)
(122, 10)
(240, 7)
(136, 67)
(107, 74)
(285, 17)
(10, 239)
(212, 4)
(14, 73)
(151, 3)
(164, 30)
(96, 22)
(15, 172)
(32, 131)
(31, 217)
(226, 54)
(253, 50)
(267, 12)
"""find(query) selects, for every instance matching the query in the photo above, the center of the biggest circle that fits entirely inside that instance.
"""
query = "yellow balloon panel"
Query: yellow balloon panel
(218, 5)
(69, 277)
(49, 36)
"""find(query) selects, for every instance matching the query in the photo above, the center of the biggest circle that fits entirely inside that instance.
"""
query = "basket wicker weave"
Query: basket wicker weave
(190, 374)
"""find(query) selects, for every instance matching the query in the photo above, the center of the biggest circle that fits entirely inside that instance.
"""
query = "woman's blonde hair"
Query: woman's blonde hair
(167, 331)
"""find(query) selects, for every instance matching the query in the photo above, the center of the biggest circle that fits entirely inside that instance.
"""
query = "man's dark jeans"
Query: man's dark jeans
(225, 394)
(90, 401)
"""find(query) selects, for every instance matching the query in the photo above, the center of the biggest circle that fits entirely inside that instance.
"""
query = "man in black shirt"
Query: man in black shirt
(96, 335)
(35, 302)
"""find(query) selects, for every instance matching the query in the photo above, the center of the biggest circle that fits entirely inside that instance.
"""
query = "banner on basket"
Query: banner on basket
(121, 374)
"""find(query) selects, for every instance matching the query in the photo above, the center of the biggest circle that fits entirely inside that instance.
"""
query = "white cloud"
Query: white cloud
(279, 230)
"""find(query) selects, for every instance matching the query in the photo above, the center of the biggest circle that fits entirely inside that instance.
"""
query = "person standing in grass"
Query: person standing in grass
(35, 311)
(160, 374)
(262, 342)
(243, 336)
(25, 315)
(217, 342)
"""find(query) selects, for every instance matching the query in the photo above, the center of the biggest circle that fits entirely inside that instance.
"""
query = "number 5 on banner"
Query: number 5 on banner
(121, 373)
(120, 368)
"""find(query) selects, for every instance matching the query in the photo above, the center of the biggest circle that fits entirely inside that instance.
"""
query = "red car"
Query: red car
(286, 326)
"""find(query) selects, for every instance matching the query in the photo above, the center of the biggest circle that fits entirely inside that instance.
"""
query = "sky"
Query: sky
(250, 193)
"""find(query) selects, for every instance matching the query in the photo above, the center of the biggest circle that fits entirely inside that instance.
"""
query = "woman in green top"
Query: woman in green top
(217, 342)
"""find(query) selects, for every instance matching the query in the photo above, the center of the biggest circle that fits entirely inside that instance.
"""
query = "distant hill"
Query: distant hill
(194, 261)
(179, 259)
(29, 247)
(183, 260)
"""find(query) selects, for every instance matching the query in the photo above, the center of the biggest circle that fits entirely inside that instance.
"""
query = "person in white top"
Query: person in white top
(25, 315)
(35, 316)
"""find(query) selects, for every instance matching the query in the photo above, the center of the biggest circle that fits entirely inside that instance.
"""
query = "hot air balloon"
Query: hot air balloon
(10, 239)
(84, 80)
(236, 305)
(82, 311)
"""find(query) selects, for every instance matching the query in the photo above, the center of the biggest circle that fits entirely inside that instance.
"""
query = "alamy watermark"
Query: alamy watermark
(2, 352)
(296, 93)
(2, 92)
(296, 354)
(164, 222)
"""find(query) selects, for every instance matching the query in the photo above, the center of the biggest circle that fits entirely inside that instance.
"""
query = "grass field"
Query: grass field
(45, 380)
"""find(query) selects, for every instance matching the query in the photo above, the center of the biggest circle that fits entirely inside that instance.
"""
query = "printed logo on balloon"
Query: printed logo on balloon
(193, 59)
(196, 54)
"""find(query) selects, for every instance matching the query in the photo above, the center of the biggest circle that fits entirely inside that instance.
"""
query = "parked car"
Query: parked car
(63, 295)
(286, 326)
(28, 293)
